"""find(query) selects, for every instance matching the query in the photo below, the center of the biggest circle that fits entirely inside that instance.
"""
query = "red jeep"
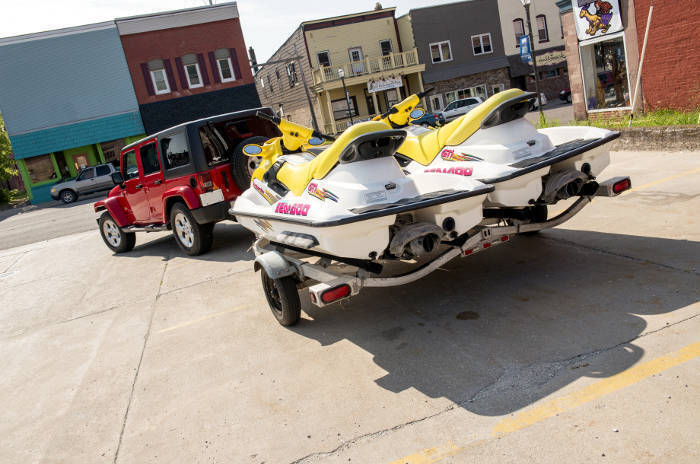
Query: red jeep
(182, 178)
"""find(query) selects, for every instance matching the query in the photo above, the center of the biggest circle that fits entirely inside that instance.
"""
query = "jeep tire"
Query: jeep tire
(242, 166)
(193, 238)
(115, 238)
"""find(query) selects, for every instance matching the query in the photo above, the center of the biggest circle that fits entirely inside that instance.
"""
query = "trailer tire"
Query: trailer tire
(283, 297)
(242, 166)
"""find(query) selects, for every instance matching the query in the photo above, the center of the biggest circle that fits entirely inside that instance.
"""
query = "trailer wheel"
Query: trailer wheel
(283, 297)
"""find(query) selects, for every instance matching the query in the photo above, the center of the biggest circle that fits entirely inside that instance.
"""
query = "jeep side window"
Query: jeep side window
(88, 173)
(131, 171)
(214, 144)
(175, 150)
(149, 159)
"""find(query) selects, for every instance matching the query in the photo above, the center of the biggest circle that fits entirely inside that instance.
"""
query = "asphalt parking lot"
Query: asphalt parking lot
(577, 345)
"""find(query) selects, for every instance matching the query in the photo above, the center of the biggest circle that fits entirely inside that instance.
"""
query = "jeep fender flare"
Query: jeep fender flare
(112, 205)
(184, 193)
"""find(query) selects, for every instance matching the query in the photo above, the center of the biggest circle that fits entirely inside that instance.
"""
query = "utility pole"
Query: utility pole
(526, 4)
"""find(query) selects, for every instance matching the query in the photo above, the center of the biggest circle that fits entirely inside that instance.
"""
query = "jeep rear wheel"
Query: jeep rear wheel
(242, 166)
(116, 239)
(193, 238)
(68, 196)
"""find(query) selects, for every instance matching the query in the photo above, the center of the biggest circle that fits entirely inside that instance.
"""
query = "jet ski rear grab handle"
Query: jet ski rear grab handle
(278, 264)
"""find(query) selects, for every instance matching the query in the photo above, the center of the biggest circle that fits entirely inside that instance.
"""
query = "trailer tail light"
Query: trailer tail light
(335, 293)
(505, 238)
(205, 182)
(621, 186)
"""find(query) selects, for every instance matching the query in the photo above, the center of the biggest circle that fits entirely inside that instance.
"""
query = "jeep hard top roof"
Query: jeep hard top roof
(216, 118)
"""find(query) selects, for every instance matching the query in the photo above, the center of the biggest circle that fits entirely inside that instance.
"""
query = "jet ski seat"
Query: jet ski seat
(499, 108)
(296, 176)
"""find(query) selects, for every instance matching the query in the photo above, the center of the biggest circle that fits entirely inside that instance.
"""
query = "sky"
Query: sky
(266, 23)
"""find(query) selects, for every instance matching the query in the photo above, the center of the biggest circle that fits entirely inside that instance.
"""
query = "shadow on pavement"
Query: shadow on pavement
(231, 243)
(501, 330)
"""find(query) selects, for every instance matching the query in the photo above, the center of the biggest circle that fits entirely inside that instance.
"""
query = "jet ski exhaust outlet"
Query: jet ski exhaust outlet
(415, 240)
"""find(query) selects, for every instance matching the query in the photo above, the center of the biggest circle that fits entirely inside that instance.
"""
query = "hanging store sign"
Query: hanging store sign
(387, 83)
(595, 18)
(551, 58)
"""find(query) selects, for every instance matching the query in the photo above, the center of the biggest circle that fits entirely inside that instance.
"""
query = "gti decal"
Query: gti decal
(457, 171)
(296, 209)
(263, 224)
(271, 199)
(321, 193)
(450, 155)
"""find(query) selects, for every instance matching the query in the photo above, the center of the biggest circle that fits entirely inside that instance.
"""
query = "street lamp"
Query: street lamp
(526, 4)
(341, 73)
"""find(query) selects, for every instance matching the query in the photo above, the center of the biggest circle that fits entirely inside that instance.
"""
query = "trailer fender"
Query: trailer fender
(274, 264)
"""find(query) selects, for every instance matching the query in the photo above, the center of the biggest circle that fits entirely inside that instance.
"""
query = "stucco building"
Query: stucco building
(67, 101)
(365, 48)
(548, 38)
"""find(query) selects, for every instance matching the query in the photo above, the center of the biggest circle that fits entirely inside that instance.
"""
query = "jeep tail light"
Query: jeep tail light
(621, 186)
(335, 293)
(204, 180)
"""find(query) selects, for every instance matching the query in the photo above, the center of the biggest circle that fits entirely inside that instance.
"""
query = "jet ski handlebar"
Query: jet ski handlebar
(290, 129)
(404, 108)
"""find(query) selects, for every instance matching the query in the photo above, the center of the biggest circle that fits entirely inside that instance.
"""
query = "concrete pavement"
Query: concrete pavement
(579, 344)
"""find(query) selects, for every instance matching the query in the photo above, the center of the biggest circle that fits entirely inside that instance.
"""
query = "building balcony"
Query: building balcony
(327, 77)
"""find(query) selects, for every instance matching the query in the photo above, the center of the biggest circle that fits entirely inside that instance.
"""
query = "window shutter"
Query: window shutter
(214, 67)
(203, 68)
(171, 76)
(234, 60)
(147, 79)
(181, 72)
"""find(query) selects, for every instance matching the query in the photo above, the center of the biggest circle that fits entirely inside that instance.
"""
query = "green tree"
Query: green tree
(7, 164)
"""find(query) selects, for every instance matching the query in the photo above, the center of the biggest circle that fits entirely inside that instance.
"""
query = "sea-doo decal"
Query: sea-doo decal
(321, 193)
(263, 224)
(457, 171)
(295, 209)
(450, 155)
(270, 197)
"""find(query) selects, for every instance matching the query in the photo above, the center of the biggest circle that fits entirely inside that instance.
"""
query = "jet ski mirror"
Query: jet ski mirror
(252, 150)
(315, 141)
(417, 113)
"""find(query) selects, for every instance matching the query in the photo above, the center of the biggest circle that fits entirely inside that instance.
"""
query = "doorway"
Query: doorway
(356, 57)
(436, 103)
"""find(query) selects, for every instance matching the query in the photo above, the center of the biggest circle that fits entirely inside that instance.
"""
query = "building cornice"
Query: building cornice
(57, 33)
(177, 18)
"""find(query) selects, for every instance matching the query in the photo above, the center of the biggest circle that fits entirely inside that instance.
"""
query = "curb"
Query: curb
(669, 138)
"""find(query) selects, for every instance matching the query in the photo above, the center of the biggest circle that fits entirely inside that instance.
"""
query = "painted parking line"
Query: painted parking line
(565, 403)
(194, 321)
(661, 181)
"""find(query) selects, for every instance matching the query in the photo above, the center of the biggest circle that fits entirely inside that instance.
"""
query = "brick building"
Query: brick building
(670, 72)
(187, 64)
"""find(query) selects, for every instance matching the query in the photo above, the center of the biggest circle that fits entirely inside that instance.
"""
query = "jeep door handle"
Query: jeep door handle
(138, 186)
(158, 182)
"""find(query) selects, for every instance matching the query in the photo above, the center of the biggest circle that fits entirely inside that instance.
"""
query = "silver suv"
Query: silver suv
(459, 107)
(89, 180)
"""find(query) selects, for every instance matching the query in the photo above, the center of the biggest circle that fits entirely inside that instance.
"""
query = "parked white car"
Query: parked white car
(459, 107)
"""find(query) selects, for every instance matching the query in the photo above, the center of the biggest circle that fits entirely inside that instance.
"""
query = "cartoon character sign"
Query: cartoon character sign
(597, 17)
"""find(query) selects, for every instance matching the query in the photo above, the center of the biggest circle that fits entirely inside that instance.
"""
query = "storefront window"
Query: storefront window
(40, 168)
(605, 74)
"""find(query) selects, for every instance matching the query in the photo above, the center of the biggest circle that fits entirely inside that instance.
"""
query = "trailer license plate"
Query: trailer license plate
(210, 198)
